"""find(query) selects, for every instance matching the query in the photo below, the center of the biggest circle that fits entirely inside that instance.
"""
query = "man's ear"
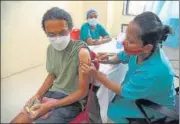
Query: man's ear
(147, 48)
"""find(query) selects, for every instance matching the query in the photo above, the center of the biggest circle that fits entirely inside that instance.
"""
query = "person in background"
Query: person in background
(92, 32)
(150, 74)
(65, 86)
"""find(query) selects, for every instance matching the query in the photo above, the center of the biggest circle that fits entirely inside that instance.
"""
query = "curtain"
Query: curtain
(168, 12)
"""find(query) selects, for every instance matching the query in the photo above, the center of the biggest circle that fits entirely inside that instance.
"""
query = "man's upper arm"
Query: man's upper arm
(84, 56)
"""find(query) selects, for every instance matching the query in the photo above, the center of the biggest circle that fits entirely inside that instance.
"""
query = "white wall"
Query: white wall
(116, 17)
(110, 14)
(100, 6)
(23, 42)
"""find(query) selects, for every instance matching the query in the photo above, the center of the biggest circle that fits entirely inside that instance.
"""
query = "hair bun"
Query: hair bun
(166, 30)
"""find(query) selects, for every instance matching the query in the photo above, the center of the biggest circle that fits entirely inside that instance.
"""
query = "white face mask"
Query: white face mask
(60, 42)
(93, 21)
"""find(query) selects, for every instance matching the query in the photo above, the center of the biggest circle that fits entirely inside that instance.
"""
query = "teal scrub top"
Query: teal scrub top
(152, 80)
(95, 34)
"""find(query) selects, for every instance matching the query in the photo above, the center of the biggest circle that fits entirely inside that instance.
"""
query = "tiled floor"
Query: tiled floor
(17, 89)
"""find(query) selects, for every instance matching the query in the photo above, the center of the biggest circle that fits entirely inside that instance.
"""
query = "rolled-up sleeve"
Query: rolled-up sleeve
(123, 57)
(140, 85)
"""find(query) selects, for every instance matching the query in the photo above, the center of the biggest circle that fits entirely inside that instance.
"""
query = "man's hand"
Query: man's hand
(31, 100)
(42, 109)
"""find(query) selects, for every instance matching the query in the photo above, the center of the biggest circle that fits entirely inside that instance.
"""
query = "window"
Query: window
(134, 7)
(123, 28)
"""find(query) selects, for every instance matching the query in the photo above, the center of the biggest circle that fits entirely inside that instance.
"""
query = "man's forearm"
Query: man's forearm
(75, 96)
(72, 98)
(46, 85)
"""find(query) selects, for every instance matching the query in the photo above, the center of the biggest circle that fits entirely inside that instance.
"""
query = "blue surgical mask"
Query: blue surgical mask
(93, 21)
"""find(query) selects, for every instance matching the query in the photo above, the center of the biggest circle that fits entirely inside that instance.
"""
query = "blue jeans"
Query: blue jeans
(61, 114)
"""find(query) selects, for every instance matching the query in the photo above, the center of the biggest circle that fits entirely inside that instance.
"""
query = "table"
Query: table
(115, 73)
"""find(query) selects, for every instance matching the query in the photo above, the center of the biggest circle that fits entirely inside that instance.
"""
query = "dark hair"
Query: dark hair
(57, 13)
(152, 31)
